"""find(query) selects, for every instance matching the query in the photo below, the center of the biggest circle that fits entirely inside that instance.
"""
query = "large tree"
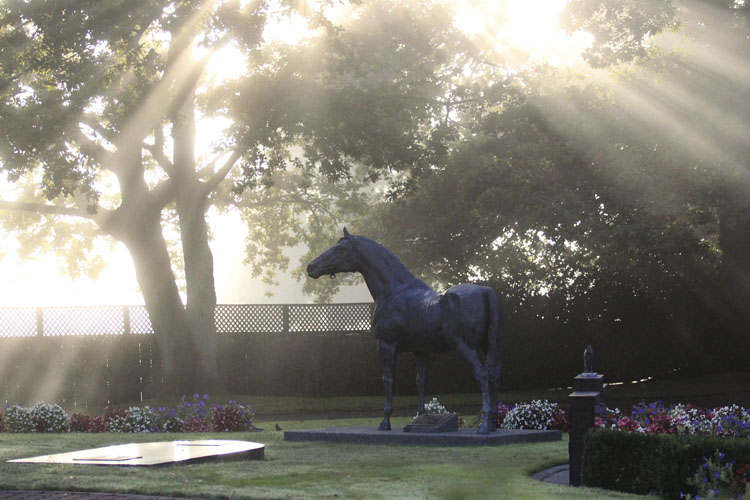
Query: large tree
(98, 118)
(604, 212)
(97, 125)
(610, 213)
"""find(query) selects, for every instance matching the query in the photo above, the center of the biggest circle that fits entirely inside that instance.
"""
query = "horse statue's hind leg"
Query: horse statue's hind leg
(487, 419)
(492, 385)
(387, 355)
(423, 362)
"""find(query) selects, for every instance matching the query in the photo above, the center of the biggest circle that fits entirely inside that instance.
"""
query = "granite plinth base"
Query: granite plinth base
(462, 437)
(158, 453)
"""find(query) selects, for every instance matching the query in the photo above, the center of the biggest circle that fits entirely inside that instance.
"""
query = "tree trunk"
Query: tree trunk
(165, 309)
(199, 268)
(137, 223)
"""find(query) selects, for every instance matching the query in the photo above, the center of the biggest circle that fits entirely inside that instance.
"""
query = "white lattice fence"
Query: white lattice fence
(58, 321)
(330, 317)
(230, 318)
(247, 318)
(18, 322)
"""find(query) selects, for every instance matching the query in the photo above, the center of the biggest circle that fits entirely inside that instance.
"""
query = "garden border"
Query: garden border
(462, 437)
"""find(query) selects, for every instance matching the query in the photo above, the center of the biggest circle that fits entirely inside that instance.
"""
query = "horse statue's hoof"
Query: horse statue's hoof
(384, 426)
(483, 429)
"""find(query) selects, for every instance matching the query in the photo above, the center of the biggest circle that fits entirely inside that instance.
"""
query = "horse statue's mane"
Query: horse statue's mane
(373, 252)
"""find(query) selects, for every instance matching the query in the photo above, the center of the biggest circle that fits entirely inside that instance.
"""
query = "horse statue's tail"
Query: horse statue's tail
(494, 333)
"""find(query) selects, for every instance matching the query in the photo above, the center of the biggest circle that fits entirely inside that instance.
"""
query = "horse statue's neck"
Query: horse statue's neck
(382, 270)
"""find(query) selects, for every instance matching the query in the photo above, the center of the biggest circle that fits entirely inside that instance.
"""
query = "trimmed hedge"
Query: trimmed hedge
(639, 463)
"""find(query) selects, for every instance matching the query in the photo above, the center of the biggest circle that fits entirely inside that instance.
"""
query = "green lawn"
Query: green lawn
(711, 390)
(301, 470)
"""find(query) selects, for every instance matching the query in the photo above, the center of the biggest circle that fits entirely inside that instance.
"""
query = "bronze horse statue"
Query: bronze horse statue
(411, 317)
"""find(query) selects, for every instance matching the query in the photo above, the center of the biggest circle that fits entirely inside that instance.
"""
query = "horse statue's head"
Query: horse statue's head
(340, 258)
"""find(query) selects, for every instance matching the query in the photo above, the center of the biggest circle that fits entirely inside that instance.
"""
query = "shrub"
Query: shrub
(540, 415)
(716, 478)
(80, 423)
(98, 423)
(18, 419)
(136, 419)
(232, 417)
(49, 418)
(637, 462)
(196, 423)
(502, 411)
(171, 424)
(185, 409)
(141, 419)
(111, 412)
(620, 461)
(741, 480)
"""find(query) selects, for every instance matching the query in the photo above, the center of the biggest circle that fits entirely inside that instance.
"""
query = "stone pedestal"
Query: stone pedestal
(581, 419)
(593, 382)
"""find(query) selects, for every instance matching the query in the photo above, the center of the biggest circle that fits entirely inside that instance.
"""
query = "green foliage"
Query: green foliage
(42, 417)
(232, 417)
(136, 419)
(641, 463)
(716, 478)
(47, 417)
(602, 216)
(621, 30)
(18, 419)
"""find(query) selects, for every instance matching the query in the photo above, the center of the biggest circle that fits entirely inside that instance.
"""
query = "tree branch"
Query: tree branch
(164, 193)
(222, 173)
(91, 121)
(158, 154)
(41, 208)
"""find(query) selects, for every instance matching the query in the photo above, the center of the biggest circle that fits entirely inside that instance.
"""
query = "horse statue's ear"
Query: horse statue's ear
(346, 233)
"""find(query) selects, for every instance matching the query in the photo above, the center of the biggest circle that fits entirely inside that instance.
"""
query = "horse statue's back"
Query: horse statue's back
(411, 317)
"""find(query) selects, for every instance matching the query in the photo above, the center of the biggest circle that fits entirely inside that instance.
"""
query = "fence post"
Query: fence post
(39, 322)
(126, 320)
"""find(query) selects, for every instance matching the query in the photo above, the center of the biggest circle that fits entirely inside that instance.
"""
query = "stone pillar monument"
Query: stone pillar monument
(587, 398)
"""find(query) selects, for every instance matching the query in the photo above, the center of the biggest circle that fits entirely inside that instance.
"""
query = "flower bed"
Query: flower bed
(193, 415)
(539, 414)
(655, 418)
(679, 451)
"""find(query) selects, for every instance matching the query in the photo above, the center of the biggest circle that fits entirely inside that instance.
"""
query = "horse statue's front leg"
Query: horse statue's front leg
(387, 355)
